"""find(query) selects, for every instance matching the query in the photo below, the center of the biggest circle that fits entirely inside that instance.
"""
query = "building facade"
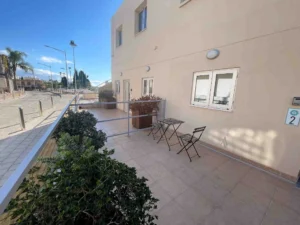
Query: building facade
(29, 83)
(233, 66)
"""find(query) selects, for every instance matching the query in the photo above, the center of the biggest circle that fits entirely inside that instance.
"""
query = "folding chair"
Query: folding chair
(189, 140)
(155, 125)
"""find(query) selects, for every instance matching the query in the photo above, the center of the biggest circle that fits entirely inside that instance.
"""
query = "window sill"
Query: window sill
(184, 3)
(139, 32)
(212, 108)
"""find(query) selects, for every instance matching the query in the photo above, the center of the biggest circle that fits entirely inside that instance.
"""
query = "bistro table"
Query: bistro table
(167, 123)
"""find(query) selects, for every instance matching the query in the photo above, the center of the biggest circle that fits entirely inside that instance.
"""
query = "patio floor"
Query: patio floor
(211, 190)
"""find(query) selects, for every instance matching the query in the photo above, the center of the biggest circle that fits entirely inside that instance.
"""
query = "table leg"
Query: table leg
(175, 131)
(163, 134)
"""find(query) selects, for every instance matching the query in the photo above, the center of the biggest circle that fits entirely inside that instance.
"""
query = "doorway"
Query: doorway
(126, 94)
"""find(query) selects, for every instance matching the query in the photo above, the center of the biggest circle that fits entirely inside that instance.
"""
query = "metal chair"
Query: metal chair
(189, 140)
(155, 125)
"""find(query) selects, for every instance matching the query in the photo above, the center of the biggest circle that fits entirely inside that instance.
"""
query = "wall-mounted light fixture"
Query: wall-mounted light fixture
(148, 68)
(121, 74)
(213, 54)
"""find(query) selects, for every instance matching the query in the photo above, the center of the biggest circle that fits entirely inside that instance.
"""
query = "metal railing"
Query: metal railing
(160, 114)
(11, 185)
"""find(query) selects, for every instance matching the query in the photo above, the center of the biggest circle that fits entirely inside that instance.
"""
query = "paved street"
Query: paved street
(15, 146)
(9, 110)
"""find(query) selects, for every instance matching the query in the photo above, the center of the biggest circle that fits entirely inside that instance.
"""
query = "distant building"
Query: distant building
(6, 84)
(30, 83)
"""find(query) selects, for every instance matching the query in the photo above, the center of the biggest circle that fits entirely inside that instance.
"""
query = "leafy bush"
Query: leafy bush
(81, 124)
(106, 96)
(83, 187)
(145, 107)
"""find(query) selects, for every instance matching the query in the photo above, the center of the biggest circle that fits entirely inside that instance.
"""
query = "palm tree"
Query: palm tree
(16, 60)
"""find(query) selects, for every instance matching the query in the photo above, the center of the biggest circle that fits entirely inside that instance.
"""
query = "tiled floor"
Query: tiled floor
(112, 127)
(211, 190)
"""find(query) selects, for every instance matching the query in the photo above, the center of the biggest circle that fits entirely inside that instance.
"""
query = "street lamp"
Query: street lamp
(50, 72)
(72, 43)
(64, 52)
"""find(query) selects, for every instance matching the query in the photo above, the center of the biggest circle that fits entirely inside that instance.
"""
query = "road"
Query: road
(9, 110)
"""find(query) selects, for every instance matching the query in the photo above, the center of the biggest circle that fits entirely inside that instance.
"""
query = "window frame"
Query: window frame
(205, 73)
(232, 92)
(117, 87)
(183, 3)
(148, 87)
(140, 23)
(212, 80)
(119, 41)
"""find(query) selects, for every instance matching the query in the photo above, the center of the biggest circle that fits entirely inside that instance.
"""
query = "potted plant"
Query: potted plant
(107, 96)
(143, 108)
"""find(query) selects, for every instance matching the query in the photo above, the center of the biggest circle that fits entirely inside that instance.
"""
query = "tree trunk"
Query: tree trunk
(7, 81)
(15, 80)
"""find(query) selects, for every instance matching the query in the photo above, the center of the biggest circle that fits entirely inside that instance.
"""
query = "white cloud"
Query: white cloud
(50, 59)
(69, 62)
(42, 72)
(4, 52)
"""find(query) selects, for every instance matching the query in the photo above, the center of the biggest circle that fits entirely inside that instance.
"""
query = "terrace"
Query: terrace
(213, 189)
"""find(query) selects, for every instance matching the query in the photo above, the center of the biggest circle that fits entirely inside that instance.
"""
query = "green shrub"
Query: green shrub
(83, 187)
(81, 124)
(106, 96)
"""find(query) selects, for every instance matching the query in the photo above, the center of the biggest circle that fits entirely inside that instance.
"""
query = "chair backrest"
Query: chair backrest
(199, 130)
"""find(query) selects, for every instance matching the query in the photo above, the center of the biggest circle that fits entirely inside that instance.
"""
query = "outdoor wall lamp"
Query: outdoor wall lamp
(148, 68)
(213, 54)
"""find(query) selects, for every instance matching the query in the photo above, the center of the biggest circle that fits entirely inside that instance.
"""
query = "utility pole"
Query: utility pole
(72, 43)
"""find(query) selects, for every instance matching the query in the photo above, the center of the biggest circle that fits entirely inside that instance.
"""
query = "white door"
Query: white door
(126, 94)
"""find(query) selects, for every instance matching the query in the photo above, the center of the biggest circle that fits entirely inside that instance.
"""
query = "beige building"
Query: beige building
(30, 83)
(242, 93)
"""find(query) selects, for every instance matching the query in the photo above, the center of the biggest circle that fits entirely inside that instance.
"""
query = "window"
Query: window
(117, 87)
(147, 86)
(119, 37)
(214, 89)
(141, 17)
(183, 2)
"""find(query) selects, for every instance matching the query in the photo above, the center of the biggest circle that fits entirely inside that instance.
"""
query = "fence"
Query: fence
(89, 96)
(15, 117)
(10, 187)
(160, 114)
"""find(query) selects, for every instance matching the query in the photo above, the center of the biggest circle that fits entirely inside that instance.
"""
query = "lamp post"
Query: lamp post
(70, 74)
(64, 52)
(72, 43)
(50, 73)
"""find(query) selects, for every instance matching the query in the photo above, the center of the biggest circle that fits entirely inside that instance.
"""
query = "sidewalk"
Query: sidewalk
(14, 147)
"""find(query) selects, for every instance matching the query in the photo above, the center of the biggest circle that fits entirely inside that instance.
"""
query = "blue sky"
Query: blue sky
(28, 25)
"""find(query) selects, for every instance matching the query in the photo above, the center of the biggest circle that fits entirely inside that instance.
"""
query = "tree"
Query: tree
(82, 80)
(5, 65)
(64, 82)
(16, 60)
(77, 78)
